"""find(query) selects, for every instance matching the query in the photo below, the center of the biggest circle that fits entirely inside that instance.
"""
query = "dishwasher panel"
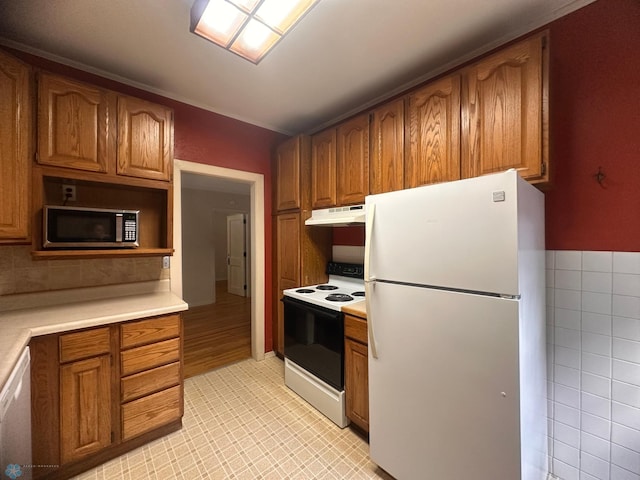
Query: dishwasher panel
(15, 422)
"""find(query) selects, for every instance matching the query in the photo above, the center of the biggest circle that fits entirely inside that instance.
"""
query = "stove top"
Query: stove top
(336, 293)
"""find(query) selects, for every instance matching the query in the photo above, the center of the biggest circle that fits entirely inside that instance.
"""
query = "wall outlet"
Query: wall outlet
(68, 193)
(165, 262)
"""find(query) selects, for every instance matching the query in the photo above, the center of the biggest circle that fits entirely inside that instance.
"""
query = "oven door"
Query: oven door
(314, 340)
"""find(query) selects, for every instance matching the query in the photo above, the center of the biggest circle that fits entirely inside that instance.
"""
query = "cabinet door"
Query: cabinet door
(15, 138)
(353, 160)
(387, 148)
(74, 124)
(502, 106)
(323, 169)
(145, 139)
(287, 266)
(434, 133)
(356, 380)
(85, 407)
(288, 175)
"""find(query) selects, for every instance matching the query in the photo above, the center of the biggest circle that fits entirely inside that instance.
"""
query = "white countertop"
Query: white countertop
(29, 315)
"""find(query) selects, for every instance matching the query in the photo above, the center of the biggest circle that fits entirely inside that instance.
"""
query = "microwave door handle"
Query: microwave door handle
(118, 227)
(369, 280)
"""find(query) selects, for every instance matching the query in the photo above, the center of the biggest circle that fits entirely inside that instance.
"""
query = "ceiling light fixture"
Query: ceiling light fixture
(248, 28)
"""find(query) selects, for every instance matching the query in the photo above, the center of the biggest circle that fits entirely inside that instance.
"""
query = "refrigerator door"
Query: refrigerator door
(443, 392)
(460, 235)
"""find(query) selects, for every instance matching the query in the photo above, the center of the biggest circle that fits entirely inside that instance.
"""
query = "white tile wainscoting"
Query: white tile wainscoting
(593, 339)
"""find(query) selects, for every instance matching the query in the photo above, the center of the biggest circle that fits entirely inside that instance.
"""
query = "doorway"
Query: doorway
(208, 175)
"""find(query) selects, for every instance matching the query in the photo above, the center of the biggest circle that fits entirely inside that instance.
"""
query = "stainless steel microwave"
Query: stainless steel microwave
(77, 227)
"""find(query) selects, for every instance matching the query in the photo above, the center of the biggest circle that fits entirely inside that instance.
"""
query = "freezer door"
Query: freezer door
(443, 392)
(461, 234)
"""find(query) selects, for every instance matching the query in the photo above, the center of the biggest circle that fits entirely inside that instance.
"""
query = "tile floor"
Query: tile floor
(242, 422)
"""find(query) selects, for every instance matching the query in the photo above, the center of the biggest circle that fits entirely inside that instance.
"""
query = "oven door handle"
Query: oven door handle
(369, 280)
(320, 311)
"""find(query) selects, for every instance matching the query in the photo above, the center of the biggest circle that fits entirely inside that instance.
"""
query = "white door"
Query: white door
(443, 390)
(237, 254)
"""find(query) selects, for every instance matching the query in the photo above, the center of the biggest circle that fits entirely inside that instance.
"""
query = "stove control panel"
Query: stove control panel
(351, 270)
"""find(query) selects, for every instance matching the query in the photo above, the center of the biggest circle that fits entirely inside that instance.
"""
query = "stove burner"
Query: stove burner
(304, 290)
(327, 287)
(339, 297)
(358, 294)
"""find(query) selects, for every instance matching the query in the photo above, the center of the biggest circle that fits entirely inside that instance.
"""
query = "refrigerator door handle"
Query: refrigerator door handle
(369, 286)
(369, 280)
(371, 210)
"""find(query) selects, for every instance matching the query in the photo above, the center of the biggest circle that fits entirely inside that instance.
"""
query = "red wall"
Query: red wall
(595, 122)
(205, 137)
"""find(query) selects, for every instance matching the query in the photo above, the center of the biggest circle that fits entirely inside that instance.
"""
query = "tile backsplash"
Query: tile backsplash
(593, 349)
(19, 273)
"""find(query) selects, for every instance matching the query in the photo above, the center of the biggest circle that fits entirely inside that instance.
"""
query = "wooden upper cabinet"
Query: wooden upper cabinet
(434, 133)
(287, 174)
(145, 139)
(75, 124)
(77, 128)
(504, 112)
(353, 160)
(15, 155)
(323, 169)
(386, 160)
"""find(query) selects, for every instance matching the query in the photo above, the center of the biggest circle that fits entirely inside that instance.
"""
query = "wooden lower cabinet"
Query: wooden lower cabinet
(356, 375)
(151, 381)
(152, 411)
(100, 392)
(85, 407)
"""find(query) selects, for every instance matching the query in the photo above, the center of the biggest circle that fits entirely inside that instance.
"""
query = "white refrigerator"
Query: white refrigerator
(455, 297)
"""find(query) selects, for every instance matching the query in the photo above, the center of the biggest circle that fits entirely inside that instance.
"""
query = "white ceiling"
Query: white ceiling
(345, 55)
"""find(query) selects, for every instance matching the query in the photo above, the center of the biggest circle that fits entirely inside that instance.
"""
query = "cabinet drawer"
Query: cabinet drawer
(150, 356)
(356, 328)
(89, 343)
(144, 383)
(148, 331)
(151, 412)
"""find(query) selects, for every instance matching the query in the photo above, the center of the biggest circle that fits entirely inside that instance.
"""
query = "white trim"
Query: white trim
(256, 182)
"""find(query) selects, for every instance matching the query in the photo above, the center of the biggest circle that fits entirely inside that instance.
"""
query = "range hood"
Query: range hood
(337, 216)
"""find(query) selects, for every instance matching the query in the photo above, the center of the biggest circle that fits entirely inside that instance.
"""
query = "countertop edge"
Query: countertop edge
(357, 309)
(18, 327)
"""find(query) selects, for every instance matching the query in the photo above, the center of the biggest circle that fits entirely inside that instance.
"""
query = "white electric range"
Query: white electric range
(314, 338)
(335, 294)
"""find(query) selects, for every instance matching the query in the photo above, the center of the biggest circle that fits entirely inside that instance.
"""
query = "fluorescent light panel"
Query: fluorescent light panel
(249, 28)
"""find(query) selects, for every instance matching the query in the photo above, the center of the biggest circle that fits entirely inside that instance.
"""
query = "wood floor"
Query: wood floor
(217, 334)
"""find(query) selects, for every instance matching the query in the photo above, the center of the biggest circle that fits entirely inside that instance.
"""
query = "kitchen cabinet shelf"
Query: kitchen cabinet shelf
(154, 200)
(120, 253)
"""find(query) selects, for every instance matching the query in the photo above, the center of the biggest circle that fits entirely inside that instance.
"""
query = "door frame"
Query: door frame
(256, 235)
